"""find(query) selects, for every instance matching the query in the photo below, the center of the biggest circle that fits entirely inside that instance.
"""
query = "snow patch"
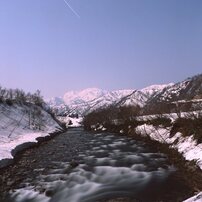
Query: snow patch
(197, 198)
(187, 146)
(71, 122)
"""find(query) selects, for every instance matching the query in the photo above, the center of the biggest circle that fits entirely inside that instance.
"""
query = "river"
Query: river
(97, 167)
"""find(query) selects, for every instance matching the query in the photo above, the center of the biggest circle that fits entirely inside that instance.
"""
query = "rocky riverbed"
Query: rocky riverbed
(79, 166)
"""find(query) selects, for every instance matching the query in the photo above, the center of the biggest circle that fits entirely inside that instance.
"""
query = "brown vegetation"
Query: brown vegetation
(188, 127)
(125, 118)
(111, 116)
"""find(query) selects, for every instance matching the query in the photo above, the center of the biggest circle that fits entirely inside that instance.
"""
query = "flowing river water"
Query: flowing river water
(105, 166)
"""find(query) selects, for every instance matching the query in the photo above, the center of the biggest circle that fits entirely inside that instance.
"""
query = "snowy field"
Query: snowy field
(21, 124)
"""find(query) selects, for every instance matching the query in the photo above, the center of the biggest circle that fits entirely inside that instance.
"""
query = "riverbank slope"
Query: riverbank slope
(23, 125)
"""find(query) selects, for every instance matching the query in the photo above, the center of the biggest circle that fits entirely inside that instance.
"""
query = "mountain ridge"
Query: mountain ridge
(87, 100)
(90, 99)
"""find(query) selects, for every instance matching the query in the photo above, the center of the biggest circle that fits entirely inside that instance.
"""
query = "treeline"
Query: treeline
(123, 116)
(172, 107)
(126, 118)
(11, 96)
(34, 101)
(126, 114)
(190, 125)
(111, 115)
(129, 113)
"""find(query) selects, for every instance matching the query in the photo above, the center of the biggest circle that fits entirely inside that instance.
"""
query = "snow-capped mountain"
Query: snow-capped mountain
(141, 97)
(85, 101)
(79, 97)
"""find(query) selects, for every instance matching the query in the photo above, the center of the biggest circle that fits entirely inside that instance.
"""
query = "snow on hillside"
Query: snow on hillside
(150, 90)
(174, 90)
(87, 100)
(140, 97)
(85, 107)
(136, 98)
(92, 96)
(108, 99)
(118, 94)
(76, 97)
(190, 88)
(21, 124)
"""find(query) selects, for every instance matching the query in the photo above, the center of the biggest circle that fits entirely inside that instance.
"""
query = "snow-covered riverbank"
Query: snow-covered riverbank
(68, 167)
(20, 124)
(187, 146)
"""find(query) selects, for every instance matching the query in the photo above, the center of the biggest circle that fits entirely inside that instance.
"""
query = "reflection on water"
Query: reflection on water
(113, 166)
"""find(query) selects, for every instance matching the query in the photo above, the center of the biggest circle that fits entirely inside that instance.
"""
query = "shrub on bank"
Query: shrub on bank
(188, 127)
(163, 121)
(9, 102)
(126, 118)
(111, 116)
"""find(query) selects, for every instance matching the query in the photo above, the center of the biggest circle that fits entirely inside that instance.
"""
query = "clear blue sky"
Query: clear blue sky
(115, 44)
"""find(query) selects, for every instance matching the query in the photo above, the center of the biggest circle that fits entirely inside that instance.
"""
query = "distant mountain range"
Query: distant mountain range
(85, 101)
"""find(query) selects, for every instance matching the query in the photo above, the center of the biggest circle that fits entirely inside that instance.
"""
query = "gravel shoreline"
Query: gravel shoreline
(27, 163)
(4, 163)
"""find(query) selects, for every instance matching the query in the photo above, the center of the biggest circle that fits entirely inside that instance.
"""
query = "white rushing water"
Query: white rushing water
(113, 166)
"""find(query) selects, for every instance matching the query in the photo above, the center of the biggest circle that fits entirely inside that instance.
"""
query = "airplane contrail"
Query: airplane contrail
(75, 13)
